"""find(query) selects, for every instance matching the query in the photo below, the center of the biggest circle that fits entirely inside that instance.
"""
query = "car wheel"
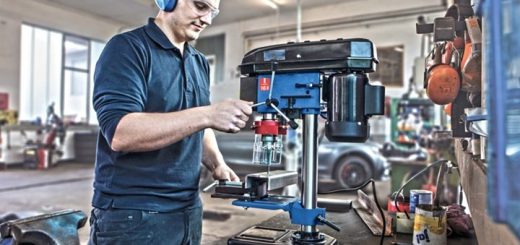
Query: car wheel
(352, 171)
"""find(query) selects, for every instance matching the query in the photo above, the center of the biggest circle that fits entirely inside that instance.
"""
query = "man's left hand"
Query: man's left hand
(224, 172)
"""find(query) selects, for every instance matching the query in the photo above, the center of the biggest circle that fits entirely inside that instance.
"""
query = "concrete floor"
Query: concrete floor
(69, 186)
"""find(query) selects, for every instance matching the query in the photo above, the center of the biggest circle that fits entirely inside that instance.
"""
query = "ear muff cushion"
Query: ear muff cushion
(443, 84)
(166, 5)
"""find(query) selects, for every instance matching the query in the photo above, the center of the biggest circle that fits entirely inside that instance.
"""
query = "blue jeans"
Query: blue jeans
(129, 227)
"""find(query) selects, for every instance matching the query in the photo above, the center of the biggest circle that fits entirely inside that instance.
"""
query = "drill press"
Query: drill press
(303, 81)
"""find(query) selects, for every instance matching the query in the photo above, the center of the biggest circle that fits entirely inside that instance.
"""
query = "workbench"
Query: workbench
(353, 230)
(16, 136)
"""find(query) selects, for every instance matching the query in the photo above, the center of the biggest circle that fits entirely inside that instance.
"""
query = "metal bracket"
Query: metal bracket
(297, 213)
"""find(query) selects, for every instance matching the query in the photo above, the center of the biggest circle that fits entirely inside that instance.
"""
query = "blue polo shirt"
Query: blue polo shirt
(141, 71)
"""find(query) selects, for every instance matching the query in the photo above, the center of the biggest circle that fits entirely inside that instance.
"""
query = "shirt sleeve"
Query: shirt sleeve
(119, 83)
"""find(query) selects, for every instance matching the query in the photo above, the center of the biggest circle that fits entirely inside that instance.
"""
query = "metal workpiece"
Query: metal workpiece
(273, 180)
(58, 228)
(310, 165)
(335, 205)
(256, 186)
(228, 189)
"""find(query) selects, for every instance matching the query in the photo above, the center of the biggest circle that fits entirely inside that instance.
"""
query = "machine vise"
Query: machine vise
(58, 228)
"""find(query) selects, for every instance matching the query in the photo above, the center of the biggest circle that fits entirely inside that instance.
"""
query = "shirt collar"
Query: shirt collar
(158, 36)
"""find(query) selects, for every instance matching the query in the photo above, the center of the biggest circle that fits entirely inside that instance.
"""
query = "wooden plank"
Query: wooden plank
(474, 184)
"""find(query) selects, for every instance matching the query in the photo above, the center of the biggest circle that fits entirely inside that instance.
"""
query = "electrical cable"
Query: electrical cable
(375, 199)
(380, 212)
(346, 189)
(410, 180)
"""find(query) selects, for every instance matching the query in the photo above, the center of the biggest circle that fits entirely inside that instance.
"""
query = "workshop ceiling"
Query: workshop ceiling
(135, 12)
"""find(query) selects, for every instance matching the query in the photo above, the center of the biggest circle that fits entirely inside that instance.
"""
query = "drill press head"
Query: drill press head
(294, 79)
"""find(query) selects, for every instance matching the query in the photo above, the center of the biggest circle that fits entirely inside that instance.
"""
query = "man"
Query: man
(151, 95)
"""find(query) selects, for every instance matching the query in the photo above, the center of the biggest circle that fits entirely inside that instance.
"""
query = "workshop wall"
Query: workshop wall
(14, 13)
(10, 59)
(386, 23)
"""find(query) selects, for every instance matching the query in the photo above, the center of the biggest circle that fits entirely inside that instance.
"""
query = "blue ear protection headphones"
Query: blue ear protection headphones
(166, 5)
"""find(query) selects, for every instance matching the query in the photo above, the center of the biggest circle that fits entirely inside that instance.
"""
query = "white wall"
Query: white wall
(383, 32)
(239, 35)
(14, 13)
(10, 59)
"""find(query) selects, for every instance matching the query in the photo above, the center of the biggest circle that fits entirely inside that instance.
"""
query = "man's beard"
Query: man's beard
(191, 36)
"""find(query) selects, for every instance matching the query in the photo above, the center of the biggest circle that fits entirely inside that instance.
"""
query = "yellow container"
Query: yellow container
(429, 225)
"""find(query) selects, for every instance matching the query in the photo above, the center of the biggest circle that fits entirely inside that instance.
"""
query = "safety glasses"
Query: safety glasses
(202, 8)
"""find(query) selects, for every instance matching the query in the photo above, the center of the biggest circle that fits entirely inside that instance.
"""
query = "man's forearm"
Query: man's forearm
(152, 131)
(211, 157)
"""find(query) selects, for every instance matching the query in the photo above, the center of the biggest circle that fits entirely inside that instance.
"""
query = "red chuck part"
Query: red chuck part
(266, 127)
(282, 129)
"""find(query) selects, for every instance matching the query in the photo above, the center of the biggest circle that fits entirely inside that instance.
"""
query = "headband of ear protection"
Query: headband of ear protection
(166, 5)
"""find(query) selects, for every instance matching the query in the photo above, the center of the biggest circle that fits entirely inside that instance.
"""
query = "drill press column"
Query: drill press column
(310, 164)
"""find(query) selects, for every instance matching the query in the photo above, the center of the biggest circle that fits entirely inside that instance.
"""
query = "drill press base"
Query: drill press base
(258, 235)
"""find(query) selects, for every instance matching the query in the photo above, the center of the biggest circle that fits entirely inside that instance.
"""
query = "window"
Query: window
(57, 68)
(40, 77)
(390, 68)
(95, 51)
(214, 49)
(75, 77)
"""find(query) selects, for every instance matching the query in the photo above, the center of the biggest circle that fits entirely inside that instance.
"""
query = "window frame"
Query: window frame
(65, 68)
(383, 71)
(87, 71)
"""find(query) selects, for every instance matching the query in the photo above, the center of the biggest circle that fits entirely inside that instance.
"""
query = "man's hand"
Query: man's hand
(224, 172)
(230, 115)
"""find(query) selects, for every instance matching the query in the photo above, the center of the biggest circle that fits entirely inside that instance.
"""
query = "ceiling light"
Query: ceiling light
(398, 49)
(271, 4)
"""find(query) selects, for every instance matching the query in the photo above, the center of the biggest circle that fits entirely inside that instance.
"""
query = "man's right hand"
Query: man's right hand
(230, 115)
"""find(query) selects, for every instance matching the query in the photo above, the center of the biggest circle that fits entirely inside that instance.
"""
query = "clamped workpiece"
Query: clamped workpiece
(303, 81)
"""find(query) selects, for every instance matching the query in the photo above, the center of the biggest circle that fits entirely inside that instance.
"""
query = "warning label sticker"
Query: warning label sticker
(265, 84)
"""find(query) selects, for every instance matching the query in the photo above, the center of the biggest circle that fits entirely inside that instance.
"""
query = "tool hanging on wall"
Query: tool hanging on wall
(453, 28)
(472, 68)
(443, 80)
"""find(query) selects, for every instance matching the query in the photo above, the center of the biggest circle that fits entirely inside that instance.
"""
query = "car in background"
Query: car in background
(347, 164)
